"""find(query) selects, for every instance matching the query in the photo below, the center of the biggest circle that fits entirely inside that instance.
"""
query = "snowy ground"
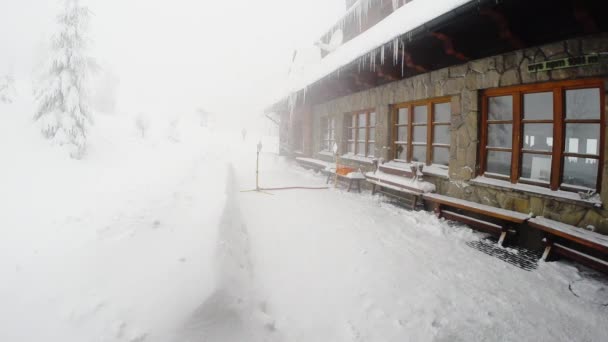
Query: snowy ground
(149, 240)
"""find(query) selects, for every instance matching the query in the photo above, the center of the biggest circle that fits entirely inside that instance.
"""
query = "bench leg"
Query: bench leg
(373, 189)
(503, 235)
(327, 180)
(350, 185)
(437, 210)
(547, 250)
(358, 185)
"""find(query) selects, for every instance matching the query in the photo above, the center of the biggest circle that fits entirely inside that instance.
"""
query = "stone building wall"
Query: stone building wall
(463, 84)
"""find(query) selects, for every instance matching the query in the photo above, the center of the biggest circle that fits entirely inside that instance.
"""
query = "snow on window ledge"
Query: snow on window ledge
(432, 170)
(357, 158)
(326, 153)
(594, 201)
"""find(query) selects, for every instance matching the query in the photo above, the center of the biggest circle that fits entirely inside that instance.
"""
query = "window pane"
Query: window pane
(350, 134)
(402, 117)
(353, 121)
(361, 148)
(351, 147)
(441, 134)
(361, 135)
(419, 134)
(500, 108)
(500, 135)
(538, 106)
(580, 172)
(538, 137)
(441, 155)
(372, 119)
(583, 138)
(536, 167)
(362, 122)
(401, 152)
(372, 134)
(371, 150)
(420, 114)
(583, 103)
(499, 162)
(419, 154)
(442, 112)
(402, 133)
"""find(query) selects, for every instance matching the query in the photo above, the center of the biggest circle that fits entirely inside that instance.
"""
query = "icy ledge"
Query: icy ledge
(557, 194)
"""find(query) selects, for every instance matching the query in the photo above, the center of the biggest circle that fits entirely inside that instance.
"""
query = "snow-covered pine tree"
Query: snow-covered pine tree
(63, 110)
(7, 89)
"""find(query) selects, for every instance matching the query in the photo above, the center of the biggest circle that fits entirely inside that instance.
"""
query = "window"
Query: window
(328, 133)
(360, 132)
(547, 135)
(421, 131)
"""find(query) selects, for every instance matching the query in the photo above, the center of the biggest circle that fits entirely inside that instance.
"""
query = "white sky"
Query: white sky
(227, 56)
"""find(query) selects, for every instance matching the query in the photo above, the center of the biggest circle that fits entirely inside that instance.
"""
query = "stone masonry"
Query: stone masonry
(463, 84)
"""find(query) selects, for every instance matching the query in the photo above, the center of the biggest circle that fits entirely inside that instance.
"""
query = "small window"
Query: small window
(328, 133)
(360, 133)
(421, 132)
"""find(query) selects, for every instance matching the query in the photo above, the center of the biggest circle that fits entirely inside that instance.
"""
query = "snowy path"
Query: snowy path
(337, 266)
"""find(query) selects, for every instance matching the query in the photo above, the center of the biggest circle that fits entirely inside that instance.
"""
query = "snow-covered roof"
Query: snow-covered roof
(403, 20)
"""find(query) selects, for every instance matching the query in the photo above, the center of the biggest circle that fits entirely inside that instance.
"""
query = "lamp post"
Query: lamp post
(257, 166)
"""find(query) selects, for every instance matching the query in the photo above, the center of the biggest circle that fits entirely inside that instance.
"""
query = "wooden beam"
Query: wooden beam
(448, 46)
(503, 27)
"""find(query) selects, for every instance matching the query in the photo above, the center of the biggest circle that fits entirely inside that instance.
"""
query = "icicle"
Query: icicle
(402, 59)
(304, 99)
(395, 51)
(395, 5)
(382, 55)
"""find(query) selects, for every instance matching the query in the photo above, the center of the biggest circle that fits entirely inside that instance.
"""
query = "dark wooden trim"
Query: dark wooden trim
(476, 208)
(559, 126)
(517, 137)
(565, 235)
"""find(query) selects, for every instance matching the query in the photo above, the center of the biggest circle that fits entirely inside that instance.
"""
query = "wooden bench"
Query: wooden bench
(407, 190)
(558, 231)
(314, 164)
(350, 175)
(501, 222)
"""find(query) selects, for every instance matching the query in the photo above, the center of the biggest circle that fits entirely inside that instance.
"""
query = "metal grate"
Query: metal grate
(523, 258)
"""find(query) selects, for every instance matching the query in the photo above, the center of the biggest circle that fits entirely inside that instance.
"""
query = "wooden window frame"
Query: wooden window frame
(356, 140)
(430, 125)
(559, 121)
(327, 131)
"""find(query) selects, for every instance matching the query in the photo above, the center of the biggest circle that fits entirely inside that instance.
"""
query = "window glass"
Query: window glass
(351, 147)
(538, 106)
(402, 133)
(353, 121)
(419, 134)
(371, 149)
(361, 135)
(441, 155)
(580, 172)
(420, 114)
(538, 137)
(419, 154)
(499, 162)
(361, 148)
(500, 108)
(500, 135)
(402, 116)
(536, 167)
(441, 134)
(583, 103)
(401, 152)
(362, 122)
(583, 138)
(372, 119)
(442, 112)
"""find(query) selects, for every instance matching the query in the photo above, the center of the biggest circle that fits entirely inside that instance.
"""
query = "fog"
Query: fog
(229, 57)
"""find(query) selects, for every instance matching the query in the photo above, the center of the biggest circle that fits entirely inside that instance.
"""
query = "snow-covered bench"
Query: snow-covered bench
(500, 221)
(558, 231)
(314, 164)
(407, 190)
(349, 175)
